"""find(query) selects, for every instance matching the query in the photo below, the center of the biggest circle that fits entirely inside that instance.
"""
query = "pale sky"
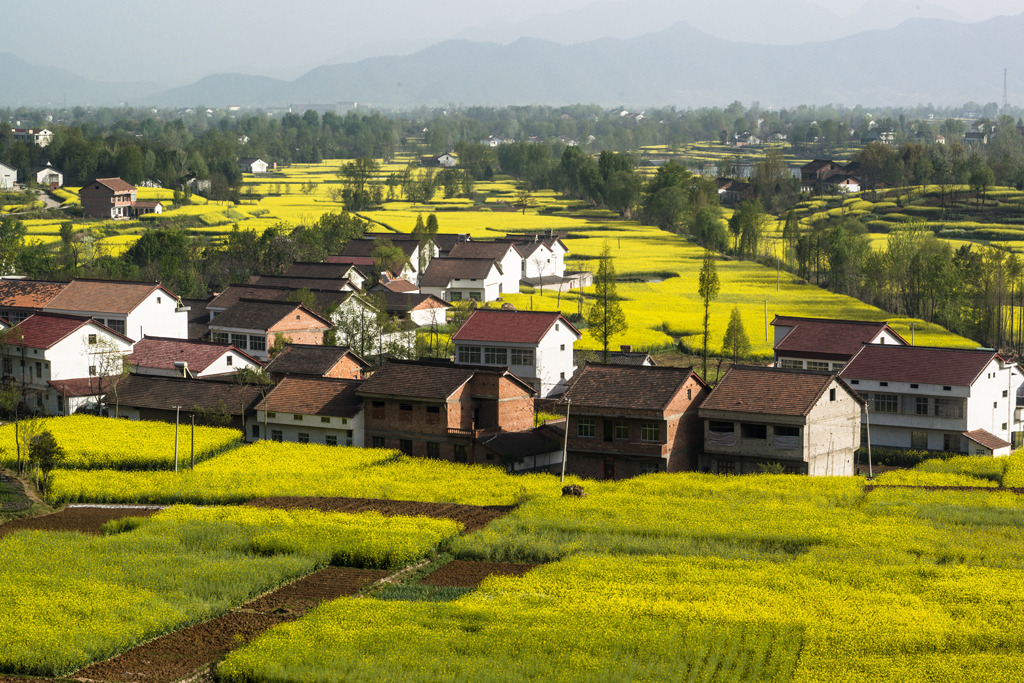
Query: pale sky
(174, 42)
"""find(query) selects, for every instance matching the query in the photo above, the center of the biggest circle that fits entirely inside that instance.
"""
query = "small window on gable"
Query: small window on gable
(947, 388)
(913, 386)
(831, 394)
(883, 384)
(230, 359)
(159, 300)
(92, 338)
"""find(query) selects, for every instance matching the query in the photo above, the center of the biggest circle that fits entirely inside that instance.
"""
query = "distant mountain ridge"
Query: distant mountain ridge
(920, 61)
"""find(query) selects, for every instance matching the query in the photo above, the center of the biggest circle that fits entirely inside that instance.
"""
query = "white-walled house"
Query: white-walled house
(134, 309)
(62, 362)
(535, 346)
(824, 344)
(187, 358)
(252, 165)
(449, 279)
(938, 399)
(8, 177)
(505, 254)
(311, 410)
(47, 175)
(808, 422)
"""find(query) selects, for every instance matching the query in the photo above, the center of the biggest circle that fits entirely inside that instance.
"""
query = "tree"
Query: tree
(44, 453)
(361, 190)
(111, 368)
(605, 318)
(707, 289)
(12, 239)
(387, 257)
(736, 341)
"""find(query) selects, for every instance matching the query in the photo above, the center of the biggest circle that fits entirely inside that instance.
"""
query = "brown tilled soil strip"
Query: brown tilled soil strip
(88, 520)
(179, 654)
(466, 574)
(984, 489)
(473, 517)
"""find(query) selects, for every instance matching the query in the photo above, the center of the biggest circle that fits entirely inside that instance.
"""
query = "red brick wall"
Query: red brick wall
(346, 368)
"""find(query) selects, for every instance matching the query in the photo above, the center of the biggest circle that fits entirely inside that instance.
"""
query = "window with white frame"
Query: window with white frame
(494, 355)
(469, 354)
(586, 427)
(650, 431)
(522, 357)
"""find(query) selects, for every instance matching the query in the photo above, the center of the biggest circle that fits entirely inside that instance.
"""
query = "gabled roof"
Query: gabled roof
(492, 250)
(442, 271)
(513, 327)
(105, 296)
(28, 293)
(649, 388)
(315, 269)
(828, 339)
(987, 439)
(398, 303)
(413, 380)
(315, 396)
(254, 314)
(399, 286)
(112, 184)
(918, 364)
(771, 391)
(322, 298)
(164, 352)
(311, 359)
(43, 330)
(446, 241)
(337, 284)
(634, 358)
(357, 263)
(163, 393)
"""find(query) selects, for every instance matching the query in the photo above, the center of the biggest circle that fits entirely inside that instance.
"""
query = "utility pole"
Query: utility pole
(565, 442)
(193, 452)
(177, 414)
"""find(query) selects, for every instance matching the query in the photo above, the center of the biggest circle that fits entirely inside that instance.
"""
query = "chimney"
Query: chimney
(626, 348)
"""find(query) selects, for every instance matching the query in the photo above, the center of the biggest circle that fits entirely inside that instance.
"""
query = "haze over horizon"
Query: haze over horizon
(175, 44)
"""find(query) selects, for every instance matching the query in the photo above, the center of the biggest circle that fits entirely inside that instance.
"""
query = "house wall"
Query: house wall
(541, 262)
(8, 177)
(349, 431)
(346, 368)
(553, 364)
(158, 316)
(429, 316)
(511, 271)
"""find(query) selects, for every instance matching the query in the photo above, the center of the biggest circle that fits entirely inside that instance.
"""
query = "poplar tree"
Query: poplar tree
(707, 289)
(605, 318)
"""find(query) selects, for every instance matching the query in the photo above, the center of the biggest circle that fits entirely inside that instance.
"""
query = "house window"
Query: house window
(257, 343)
(92, 338)
(220, 337)
(229, 360)
(522, 357)
(433, 449)
(649, 431)
(495, 356)
(913, 386)
(331, 440)
(116, 326)
(405, 407)
(919, 440)
(586, 427)
(469, 354)
(786, 437)
(378, 410)
(255, 431)
(854, 381)
(562, 348)
(831, 394)
(949, 407)
(303, 437)
(92, 370)
(1004, 393)
(405, 445)
(947, 388)
(39, 370)
(689, 394)
(817, 365)
(725, 466)
(621, 429)
(8, 366)
(276, 435)
(883, 384)
(297, 417)
(455, 296)
(920, 405)
(433, 415)
(240, 341)
(459, 451)
(790, 364)
(475, 296)
(649, 468)
(159, 300)
(324, 418)
(378, 442)
(951, 443)
(885, 403)
(753, 431)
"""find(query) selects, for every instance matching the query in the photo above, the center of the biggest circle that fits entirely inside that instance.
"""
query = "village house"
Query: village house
(505, 254)
(107, 198)
(422, 310)
(8, 177)
(630, 420)
(814, 174)
(134, 309)
(361, 251)
(297, 282)
(451, 279)
(536, 346)
(252, 165)
(62, 362)
(255, 326)
(47, 176)
(925, 398)
(756, 417)
(311, 360)
(40, 137)
(440, 410)
(218, 402)
(311, 410)
(732, 191)
(331, 304)
(189, 358)
(825, 344)
(21, 298)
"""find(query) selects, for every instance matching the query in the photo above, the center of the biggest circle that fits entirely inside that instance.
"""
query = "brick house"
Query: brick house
(338, 362)
(824, 344)
(807, 422)
(440, 410)
(107, 198)
(311, 410)
(254, 326)
(928, 398)
(629, 420)
(535, 345)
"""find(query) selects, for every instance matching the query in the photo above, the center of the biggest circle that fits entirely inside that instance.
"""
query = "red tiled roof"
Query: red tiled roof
(80, 386)
(310, 359)
(43, 330)
(400, 286)
(28, 293)
(986, 439)
(827, 339)
(770, 391)
(649, 388)
(107, 296)
(113, 184)
(253, 314)
(514, 327)
(163, 352)
(315, 396)
(918, 364)
(411, 380)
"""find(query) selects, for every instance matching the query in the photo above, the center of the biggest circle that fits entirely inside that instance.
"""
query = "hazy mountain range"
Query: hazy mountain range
(919, 61)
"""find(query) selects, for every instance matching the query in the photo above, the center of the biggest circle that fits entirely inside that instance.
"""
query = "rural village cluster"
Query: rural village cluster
(137, 350)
